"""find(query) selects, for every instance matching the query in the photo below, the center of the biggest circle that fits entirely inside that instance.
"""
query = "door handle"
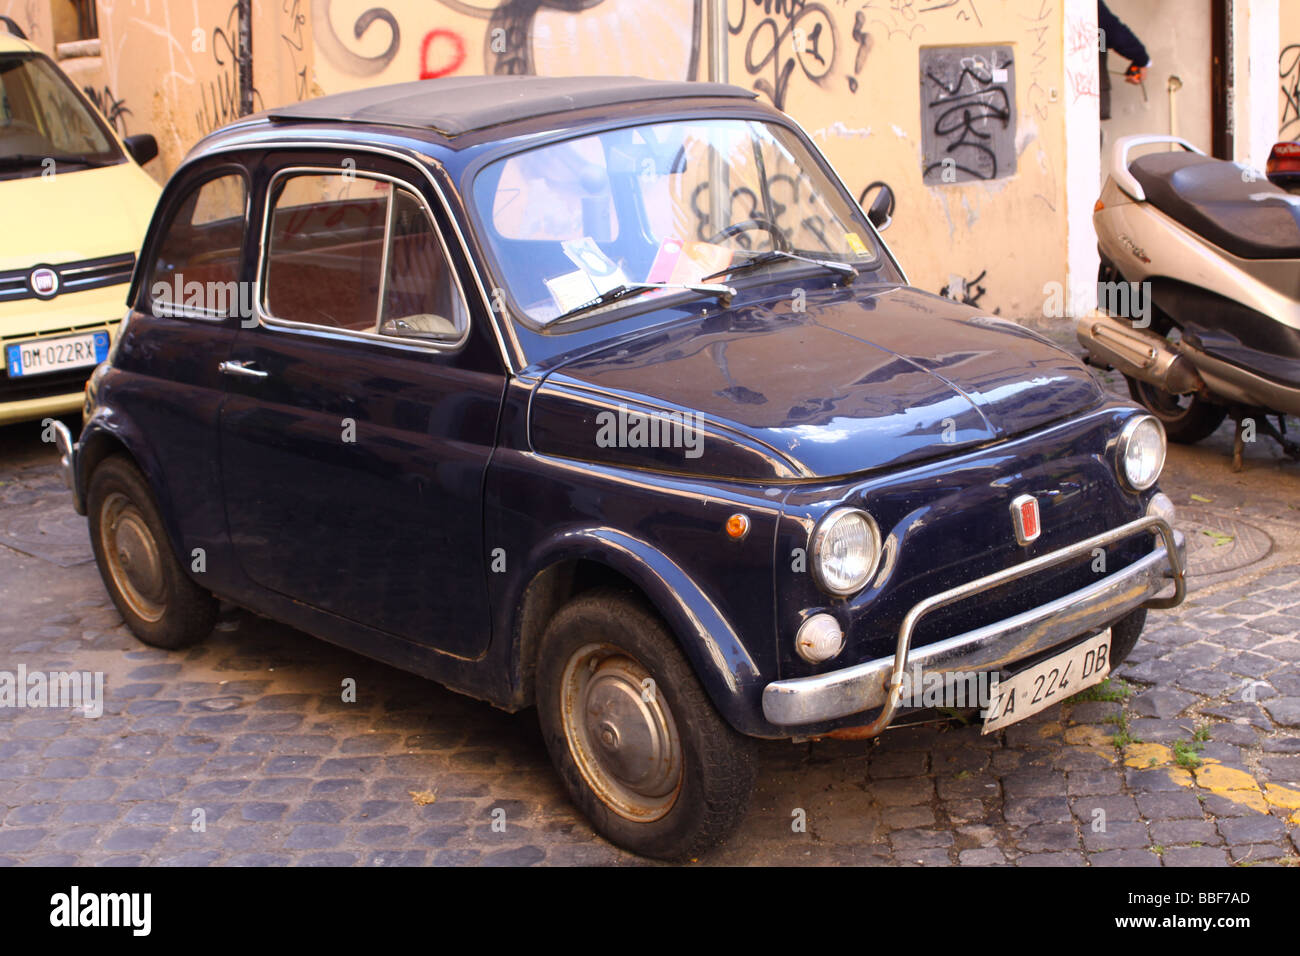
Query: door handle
(241, 368)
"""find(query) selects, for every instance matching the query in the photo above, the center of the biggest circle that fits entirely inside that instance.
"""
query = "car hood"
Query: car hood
(74, 215)
(858, 379)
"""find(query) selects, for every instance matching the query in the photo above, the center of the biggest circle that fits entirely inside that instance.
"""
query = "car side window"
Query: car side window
(358, 254)
(420, 295)
(195, 268)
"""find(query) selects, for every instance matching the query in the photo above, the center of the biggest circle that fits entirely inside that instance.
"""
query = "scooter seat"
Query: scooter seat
(1250, 220)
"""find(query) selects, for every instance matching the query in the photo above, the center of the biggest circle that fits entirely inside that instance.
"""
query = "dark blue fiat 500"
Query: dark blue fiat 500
(605, 396)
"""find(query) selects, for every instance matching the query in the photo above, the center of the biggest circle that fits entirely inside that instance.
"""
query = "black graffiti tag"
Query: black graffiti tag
(961, 112)
(1288, 69)
(295, 41)
(219, 97)
(114, 109)
(960, 290)
(792, 34)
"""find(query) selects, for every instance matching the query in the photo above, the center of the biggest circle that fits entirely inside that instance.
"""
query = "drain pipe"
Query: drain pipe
(717, 27)
(1175, 84)
(719, 186)
(245, 57)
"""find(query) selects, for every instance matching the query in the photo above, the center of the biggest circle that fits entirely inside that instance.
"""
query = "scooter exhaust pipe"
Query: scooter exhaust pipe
(1137, 353)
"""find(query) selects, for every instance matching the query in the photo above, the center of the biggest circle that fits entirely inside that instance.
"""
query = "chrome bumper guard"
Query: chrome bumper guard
(67, 454)
(879, 683)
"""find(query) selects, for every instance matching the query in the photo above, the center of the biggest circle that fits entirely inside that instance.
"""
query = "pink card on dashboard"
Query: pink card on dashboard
(665, 260)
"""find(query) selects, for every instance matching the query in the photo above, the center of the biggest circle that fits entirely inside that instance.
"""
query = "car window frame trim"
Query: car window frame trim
(271, 322)
(152, 245)
(513, 360)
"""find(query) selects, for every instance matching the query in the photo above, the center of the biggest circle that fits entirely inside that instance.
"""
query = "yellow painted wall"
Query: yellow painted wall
(859, 95)
(847, 70)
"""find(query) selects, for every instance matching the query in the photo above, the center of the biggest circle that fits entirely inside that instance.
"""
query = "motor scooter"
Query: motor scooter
(1198, 291)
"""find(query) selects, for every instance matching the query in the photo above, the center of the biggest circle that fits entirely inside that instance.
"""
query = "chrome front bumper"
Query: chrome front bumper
(879, 683)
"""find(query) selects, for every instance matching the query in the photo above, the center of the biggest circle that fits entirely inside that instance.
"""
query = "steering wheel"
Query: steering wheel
(778, 237)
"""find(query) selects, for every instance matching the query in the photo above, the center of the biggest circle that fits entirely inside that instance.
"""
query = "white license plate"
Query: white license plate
(1054, 680)
(39, 356)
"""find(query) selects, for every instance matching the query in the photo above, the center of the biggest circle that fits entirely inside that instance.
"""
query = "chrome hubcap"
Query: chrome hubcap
(132, 556)
(621, 733)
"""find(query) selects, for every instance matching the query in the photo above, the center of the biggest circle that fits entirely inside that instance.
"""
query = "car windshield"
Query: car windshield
(42, 119)
(651, 210)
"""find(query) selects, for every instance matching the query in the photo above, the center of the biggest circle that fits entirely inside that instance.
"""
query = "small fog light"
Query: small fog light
(819, 638)
(1161, 506)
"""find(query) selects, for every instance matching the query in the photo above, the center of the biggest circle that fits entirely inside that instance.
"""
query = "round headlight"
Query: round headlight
(1141, 452)
(845, 551)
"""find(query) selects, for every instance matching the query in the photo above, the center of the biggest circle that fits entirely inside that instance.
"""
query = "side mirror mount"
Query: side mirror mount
(881, 211)
(142, 147)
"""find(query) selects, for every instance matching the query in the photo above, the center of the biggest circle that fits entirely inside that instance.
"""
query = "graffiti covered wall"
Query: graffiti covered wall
(889, 89)
(169, 69)
(361, 43)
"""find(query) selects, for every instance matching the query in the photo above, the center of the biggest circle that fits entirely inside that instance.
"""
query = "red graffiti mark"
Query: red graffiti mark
(453, 51)
(1084, 83)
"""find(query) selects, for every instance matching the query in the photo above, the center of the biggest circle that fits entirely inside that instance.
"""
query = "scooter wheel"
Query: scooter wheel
(1187, 418)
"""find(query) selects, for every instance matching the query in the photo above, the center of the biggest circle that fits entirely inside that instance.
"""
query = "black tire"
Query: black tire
(1187, 419)
(1124, 635)
(151, 590)
(715, 774)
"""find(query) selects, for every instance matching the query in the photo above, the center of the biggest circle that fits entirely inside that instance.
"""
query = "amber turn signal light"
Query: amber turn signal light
(737, 526)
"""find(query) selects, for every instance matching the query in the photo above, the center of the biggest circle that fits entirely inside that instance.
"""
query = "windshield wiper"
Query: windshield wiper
(773, 255)
(20, 160)
(723, 293)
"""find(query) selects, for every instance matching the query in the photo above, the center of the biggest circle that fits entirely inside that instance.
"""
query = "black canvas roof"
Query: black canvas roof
(462, 103)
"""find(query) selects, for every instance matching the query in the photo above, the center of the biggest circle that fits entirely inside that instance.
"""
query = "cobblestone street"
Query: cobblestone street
(1195, 759)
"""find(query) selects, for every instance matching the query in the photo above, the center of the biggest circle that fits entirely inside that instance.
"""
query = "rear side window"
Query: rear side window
(195, 270)
(357, 254)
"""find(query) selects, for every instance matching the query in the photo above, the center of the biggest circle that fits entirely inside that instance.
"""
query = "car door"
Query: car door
(362, 406)
(166, 391)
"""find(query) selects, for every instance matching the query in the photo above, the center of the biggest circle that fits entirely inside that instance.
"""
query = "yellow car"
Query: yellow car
(74, 204)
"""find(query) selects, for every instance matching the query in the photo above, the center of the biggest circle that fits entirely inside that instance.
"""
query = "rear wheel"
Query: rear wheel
(1187, 418)
(155, 596)
(639, 746)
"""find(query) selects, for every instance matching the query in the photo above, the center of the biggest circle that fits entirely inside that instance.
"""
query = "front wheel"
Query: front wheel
(1187, 418)
(1124, 635)
(639, 746)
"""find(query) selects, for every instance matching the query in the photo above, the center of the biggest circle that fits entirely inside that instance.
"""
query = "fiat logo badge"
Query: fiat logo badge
(1024, 518)
(44, 282)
